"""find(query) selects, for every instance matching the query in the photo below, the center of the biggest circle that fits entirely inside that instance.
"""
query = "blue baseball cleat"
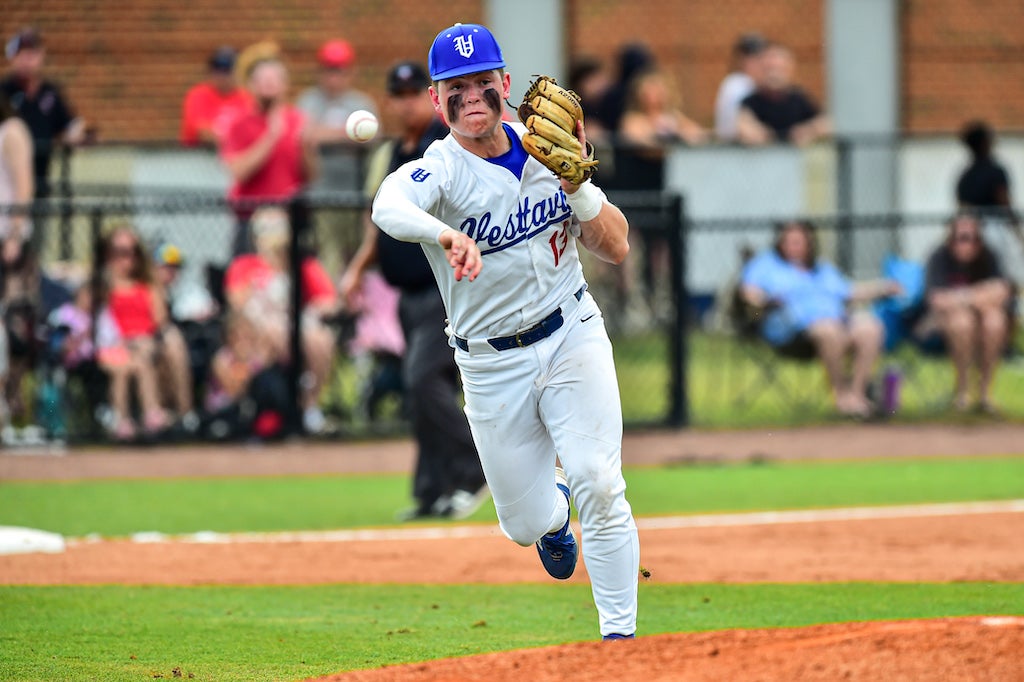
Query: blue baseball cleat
(558, 551)
(615, 635)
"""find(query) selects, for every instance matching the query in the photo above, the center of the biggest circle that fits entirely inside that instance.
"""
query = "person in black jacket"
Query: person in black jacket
(449, 480)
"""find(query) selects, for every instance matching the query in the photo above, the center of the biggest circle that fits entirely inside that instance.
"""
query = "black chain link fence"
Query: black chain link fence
(681, 359)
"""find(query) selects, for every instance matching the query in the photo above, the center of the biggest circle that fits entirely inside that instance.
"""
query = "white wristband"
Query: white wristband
(586, 202)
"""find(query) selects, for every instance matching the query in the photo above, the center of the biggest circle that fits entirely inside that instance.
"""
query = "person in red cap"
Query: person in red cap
(329, 103)
(327, 106)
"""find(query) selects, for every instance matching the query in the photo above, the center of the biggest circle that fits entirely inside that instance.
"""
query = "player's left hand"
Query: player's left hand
(463, 254)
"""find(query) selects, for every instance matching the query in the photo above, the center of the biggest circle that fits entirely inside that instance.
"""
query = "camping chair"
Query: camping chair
(769, 364)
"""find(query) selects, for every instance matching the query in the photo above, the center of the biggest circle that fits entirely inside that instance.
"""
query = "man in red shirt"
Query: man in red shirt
(210, 106)
(267, 149)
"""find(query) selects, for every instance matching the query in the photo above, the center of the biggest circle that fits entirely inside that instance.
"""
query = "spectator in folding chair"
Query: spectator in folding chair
(968, 301)
(807, 307)
(135, 340)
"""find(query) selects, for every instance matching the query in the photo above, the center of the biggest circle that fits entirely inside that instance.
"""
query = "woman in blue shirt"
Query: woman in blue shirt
(806, 303)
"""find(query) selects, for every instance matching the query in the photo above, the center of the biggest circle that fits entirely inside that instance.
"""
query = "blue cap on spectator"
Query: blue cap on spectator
(464, 49)
(223, 59)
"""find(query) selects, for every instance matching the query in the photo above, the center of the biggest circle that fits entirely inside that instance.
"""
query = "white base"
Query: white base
(14, 540)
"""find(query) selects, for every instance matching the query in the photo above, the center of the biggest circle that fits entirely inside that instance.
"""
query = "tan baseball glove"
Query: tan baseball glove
(550, 113)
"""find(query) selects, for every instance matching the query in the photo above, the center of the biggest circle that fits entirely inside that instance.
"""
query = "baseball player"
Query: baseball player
(500, 232)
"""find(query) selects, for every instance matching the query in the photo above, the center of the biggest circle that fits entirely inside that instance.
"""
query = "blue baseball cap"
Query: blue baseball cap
(463, 49)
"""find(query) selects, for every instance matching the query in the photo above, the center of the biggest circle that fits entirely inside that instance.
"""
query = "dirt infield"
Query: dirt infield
(975, 547)
(979, 547)
(953, 650)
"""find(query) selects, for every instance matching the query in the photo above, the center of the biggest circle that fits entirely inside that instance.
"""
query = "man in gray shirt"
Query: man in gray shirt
(327, 106)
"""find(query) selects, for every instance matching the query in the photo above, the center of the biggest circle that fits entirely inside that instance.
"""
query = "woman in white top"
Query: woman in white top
(738, 84)
(16, 189)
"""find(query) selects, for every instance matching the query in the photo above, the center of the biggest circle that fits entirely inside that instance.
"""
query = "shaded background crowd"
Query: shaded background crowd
(175, 319)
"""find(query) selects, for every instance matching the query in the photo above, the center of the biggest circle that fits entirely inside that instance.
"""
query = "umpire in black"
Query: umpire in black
(449, 481)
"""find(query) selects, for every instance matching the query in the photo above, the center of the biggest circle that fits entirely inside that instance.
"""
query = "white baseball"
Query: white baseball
(361, 125)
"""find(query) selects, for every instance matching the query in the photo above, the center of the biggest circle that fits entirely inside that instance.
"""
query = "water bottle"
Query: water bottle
(891, 389)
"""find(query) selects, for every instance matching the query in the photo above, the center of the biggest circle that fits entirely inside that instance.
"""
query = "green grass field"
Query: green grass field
(118, 508)
(284, 633)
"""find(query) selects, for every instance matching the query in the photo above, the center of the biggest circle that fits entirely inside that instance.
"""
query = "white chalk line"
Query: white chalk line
(644, 524)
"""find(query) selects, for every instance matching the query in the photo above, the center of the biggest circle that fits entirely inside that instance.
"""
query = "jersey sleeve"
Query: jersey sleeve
(406, 197)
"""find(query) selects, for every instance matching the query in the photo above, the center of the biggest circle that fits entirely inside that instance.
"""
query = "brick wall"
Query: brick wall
(126, 65)
(963, 59)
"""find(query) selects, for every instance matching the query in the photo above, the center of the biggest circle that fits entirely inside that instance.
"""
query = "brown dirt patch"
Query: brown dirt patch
(952, 650)
(984, 547)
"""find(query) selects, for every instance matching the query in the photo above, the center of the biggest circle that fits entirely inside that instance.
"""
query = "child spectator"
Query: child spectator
(242, 357)
(74, 322)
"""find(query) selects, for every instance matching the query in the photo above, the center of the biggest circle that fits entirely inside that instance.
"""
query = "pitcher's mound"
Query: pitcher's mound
(950, 650)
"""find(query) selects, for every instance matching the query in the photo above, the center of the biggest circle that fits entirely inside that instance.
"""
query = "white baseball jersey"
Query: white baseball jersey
(525, 405)
(530, 259)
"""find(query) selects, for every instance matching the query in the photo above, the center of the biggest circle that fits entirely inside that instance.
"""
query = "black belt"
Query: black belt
(538, 332)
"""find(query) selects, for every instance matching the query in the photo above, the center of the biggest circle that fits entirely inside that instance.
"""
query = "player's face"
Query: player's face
(471, 104)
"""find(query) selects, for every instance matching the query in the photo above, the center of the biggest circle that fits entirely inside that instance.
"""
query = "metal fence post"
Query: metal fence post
(298, 214)
(844, 204)
(679, 408)
(64, 184)
(96, 276)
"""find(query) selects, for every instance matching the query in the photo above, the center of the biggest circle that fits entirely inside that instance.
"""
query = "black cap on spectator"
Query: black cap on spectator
(25, 39)
(407, 77)
(750, 44)
(223, 59)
